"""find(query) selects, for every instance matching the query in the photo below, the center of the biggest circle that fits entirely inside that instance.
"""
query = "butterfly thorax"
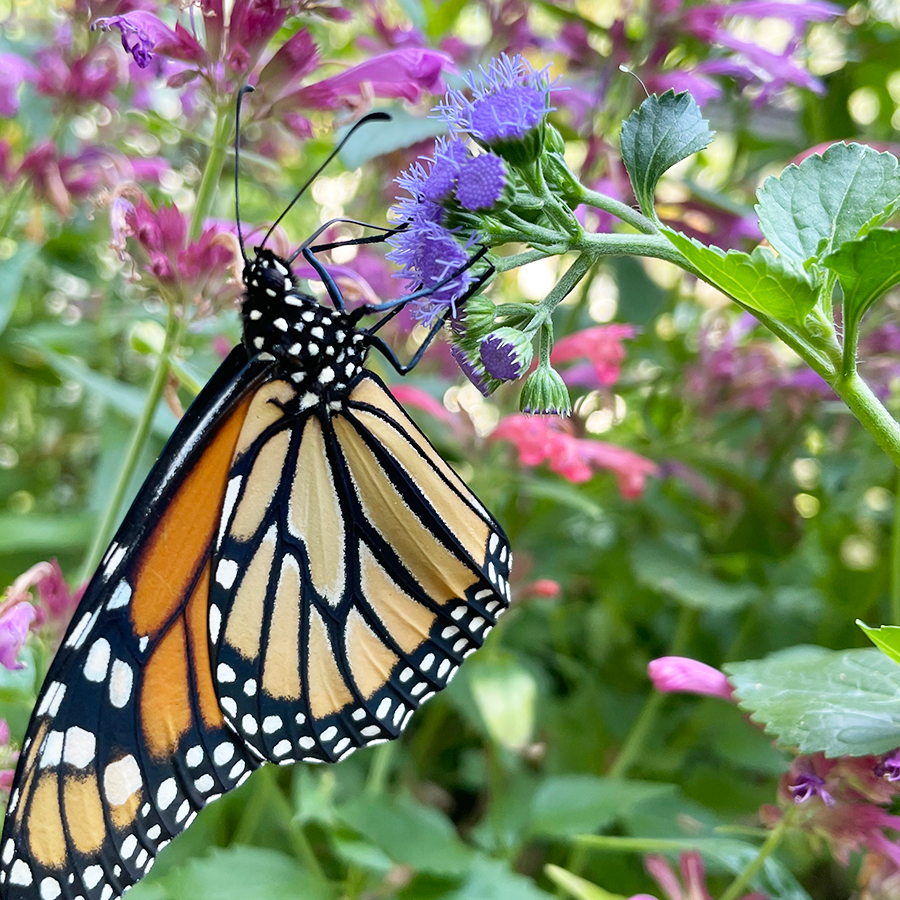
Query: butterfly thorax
(319, 347)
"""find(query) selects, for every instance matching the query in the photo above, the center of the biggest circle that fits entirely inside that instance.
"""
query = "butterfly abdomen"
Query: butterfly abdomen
(318, 348)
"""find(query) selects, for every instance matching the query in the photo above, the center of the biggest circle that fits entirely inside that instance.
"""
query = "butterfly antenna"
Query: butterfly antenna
(246, 89)
(371, 117)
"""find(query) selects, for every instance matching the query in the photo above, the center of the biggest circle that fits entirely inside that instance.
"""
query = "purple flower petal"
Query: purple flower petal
(508, 114)
(448, 157)
(482, 180)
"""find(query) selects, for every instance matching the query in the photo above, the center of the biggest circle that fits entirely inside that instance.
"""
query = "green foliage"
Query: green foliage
(836, 703)
(661, 132)
(759, 280)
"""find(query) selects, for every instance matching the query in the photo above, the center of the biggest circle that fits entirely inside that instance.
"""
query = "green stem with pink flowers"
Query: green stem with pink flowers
(175, 324)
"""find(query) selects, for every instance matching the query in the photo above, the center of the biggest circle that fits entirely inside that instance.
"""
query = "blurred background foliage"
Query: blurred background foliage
(769, 523)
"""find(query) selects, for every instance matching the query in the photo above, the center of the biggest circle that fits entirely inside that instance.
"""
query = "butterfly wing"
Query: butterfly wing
(127, 741)
(354, 572)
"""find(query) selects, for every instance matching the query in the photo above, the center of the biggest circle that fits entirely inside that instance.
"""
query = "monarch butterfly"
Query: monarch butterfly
(299, 572)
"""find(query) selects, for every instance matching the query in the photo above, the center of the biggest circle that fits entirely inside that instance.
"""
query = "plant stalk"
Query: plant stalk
(739, 885)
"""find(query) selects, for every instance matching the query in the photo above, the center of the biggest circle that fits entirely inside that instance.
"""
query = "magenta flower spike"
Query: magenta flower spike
(14, 71)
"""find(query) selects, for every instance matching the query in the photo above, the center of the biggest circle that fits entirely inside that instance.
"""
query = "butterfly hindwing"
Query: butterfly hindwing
(127, 741)
(353, 573)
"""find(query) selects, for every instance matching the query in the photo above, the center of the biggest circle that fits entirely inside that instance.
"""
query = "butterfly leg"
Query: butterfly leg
(391, 356)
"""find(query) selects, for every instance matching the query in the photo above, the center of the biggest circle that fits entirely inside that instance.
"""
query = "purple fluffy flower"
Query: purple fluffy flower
(509, 102)
(507, 353)
(474, 372)
(449, 157)
(429, 255)
(482, 182)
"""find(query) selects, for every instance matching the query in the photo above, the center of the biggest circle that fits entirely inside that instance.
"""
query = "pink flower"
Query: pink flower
(545, 588)
(15, 622)
(406, 73)
(14, 70)
(601, 344)
(145, 35)
(79, 80)
(678, 674)
(544, 439)
(692, 884)
(188, 272)
(56, 599)
(410, 395)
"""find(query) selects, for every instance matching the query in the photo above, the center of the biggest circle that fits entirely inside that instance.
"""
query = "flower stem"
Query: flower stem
(895, 557)
(737, 887)
(871, 413)
(620, 210)
(205, 196)
(643, 725)
(133, 454)
(212, 173)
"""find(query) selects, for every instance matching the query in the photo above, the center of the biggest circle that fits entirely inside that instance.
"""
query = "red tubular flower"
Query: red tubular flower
(295, 59)
(601, 344)
(252, 25)
(540, 439)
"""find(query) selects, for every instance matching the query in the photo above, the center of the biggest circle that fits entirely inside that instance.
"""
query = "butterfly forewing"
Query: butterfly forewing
(354, 573)
(127, 740)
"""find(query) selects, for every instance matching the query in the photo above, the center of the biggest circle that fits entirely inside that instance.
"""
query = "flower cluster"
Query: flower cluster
(21, 612)
(194, 274)
(458, 198)
(549, 440)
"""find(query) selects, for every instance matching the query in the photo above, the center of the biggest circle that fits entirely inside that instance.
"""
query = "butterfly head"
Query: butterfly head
(319, 348)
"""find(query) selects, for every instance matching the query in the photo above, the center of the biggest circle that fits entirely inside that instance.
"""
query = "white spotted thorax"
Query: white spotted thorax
(320, 347)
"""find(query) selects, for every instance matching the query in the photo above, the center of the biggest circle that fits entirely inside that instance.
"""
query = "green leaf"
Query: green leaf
(760, 281)
(566, 805)
(823, 701)
(241, 872)
(505, 694)
(491, 879)
(659, 133)
(12, 274)
(886, 639)
(404, 130)
(811, 209)
(44, 534)
(577, 887)
(408, 832)
(867, 269)
(670, 570)
(124, 398)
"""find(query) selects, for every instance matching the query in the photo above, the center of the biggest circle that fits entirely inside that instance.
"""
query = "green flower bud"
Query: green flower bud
(545, 393)
(475, 321)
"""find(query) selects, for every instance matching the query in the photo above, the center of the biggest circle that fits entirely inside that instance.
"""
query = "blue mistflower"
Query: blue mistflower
(428, 253)
(448, 157)
(482, 182)
(506, 111)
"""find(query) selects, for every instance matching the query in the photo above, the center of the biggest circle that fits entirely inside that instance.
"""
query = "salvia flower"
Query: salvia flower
(506, 111)
(14, 70)
(545, 393)
(808, 785)
(678, 674)
(601, 345)
(507, 353)
(15, 623)
(889, 767)
(692, 883)
(544, 439)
